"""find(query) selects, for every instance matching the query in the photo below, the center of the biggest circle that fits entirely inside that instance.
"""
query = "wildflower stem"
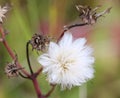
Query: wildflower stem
(27, 55)
(74, 25)
(11, 53)
(37, 89)
(23, 76)
(51, 90)
(39, 71)
(70, 27)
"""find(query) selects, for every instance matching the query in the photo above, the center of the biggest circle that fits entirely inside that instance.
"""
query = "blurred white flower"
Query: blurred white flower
(3, 11)
(68, 62)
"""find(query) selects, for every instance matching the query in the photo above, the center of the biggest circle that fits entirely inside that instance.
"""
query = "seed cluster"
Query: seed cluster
(89, 15)
(40, 42)
(12, 70)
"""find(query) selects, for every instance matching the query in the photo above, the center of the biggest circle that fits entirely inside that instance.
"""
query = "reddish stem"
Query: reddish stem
(70, 27)
(51, 90)
(33, 76)
(37, 89)
(39, 71)
(11, 53)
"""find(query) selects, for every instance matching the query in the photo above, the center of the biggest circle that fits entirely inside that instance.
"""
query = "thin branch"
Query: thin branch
(74, 25)
(51, 90)
(23, 76)
(37, 89)
(13, 56)
(70, 27)
(27, 55)
(11, 53)
(39, 71)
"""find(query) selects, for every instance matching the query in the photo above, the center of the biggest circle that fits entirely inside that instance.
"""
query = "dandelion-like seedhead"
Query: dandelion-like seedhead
(68, 62)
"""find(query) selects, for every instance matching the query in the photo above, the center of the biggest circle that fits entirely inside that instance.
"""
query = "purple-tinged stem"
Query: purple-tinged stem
(11, 53)
(70, 27)
(51, 90)
(37, 89)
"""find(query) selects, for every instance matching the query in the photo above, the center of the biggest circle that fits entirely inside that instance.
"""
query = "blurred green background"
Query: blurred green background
(27, 17)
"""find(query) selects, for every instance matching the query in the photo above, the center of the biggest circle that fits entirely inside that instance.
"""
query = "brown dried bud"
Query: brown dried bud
(89, 15)
(12, 70)
(40, 42)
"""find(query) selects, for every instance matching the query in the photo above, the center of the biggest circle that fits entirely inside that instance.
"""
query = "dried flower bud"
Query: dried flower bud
(40, 42)
(12, 70)
(89, 15)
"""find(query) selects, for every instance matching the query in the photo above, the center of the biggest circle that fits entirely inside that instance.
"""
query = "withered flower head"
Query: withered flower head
(12, 70)
(89, 15)
(40, 42)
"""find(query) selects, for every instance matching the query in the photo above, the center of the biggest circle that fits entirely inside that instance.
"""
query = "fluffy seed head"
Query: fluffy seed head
(68, 62)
